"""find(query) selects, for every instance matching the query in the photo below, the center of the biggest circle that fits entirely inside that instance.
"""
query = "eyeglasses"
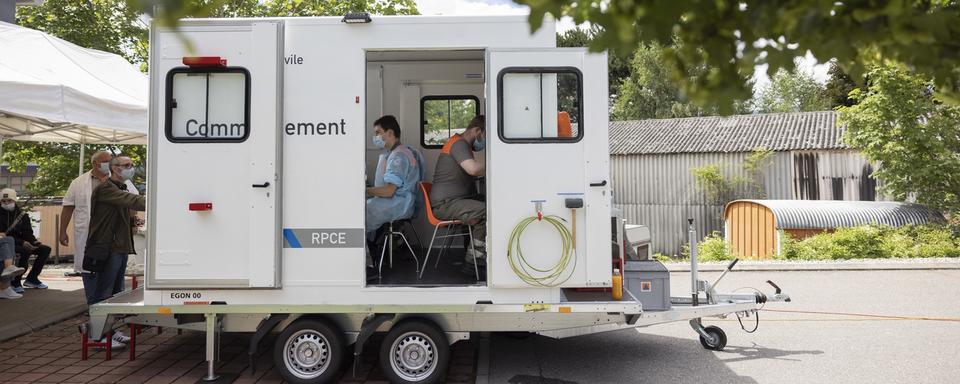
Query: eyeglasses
(125, 166)
(7, 201)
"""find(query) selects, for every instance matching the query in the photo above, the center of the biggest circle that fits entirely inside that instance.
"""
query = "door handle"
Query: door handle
(264, 185)
(600, 184)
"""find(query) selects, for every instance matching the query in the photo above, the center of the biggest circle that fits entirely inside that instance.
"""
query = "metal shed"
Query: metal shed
(752, 227)
(651, 163)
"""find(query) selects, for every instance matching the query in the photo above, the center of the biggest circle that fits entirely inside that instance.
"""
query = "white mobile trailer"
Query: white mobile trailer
(260, 152)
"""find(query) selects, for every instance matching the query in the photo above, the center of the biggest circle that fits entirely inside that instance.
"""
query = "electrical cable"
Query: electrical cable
(551, 276)
(756, 313)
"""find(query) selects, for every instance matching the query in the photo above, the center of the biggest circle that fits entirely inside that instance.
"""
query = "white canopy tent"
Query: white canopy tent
(55, 91)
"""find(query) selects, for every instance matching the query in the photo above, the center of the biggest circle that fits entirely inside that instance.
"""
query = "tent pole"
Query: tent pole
(82, 155)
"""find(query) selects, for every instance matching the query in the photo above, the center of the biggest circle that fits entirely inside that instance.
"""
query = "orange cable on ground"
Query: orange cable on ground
(886, 317)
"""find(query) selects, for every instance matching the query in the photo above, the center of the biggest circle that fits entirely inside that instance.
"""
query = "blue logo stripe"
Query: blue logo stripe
(291, 238)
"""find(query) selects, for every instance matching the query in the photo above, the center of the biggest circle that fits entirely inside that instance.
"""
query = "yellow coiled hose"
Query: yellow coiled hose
(544, 277)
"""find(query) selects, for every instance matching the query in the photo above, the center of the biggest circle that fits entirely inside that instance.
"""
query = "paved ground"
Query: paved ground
(788, 347)
(52, 355)
(39, 308)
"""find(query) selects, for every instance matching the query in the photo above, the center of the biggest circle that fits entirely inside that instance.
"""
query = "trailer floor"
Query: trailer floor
(447, 273)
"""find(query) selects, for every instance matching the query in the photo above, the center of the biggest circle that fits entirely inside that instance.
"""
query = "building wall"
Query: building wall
(659, 190)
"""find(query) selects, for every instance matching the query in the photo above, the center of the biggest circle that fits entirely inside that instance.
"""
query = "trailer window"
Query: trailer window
(208, 105)
(445, 116)
(540, 105)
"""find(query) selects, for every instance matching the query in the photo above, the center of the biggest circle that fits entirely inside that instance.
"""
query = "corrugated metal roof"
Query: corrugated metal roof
(741, 133)
(827, 214)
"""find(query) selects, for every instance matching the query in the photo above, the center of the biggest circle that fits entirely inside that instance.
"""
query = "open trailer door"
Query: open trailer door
(547, 135)
(214, 185)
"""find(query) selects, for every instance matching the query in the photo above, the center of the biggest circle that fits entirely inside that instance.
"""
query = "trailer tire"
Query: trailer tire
(309, 351)
(719, 337)
(415, 351)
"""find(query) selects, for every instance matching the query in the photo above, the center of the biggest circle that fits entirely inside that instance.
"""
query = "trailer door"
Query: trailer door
(547, 139)
(215, 156)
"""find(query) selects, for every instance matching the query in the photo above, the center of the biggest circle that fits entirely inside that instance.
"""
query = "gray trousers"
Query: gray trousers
(465, 210)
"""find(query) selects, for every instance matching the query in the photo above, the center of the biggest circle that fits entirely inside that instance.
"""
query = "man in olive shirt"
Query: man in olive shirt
(110, 240)
(454, 196)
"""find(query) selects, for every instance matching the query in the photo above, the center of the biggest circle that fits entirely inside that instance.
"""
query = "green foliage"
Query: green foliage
(618, 61)
(711, 181)
(876, 242)
(900, 123)
(648, 92)
(791, 91)
(444, 118)
(59, 163)
(172, 11)
(107, 25)
(712, 247)
(731, 38)
(838, 88)
(721, 189)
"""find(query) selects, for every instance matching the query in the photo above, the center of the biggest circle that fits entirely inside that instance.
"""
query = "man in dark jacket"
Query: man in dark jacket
(16, 224)
(110, 239)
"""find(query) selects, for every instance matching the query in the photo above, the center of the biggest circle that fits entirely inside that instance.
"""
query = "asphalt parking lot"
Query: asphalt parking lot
(830, 346)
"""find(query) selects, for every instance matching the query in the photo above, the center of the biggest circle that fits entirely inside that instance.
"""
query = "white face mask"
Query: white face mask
(9, 207)
(105, 168)
(127, 173)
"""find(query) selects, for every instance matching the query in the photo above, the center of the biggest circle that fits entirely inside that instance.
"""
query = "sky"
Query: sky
(508, 7)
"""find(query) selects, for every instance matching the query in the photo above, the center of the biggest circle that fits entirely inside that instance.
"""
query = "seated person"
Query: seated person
(16, 224)
(454, 196)
(394, 192)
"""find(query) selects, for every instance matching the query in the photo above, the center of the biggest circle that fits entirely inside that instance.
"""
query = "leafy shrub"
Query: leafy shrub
(711, 248)
(872, 241)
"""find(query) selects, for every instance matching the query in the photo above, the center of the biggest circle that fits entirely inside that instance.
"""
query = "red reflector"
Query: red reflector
(201, 206)
(205, 61)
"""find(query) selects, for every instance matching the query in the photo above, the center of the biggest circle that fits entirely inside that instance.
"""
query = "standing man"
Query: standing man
(110, 241)
(399, 169)
(76, 205)
(15, 223)
(454, 194)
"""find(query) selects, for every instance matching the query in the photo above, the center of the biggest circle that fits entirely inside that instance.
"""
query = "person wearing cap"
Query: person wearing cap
(15, 223)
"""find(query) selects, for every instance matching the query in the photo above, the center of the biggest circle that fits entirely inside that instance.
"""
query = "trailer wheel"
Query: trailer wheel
(309, 351)
(415, 351)
(719, 337)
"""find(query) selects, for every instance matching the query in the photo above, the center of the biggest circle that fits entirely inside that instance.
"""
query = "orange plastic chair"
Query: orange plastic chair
(437, 224)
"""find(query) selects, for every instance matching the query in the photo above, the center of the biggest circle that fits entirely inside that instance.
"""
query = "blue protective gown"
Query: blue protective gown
(403, 167)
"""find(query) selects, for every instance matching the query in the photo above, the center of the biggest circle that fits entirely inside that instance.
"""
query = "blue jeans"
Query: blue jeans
(120, 283)
(106, 281)
(7, 250)
(89, 286)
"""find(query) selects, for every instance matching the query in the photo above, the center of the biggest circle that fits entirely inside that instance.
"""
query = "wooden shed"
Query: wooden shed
(753, 227)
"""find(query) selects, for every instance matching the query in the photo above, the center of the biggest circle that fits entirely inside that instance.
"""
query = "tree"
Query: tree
(618, 61)
(106, 25)
(838, 87)
(791, 91)
(649, 93)
(58, 163)
(730, 38)
(901, 123)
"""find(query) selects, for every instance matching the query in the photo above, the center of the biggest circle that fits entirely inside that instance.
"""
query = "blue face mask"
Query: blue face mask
(479, 144)
(378, 142)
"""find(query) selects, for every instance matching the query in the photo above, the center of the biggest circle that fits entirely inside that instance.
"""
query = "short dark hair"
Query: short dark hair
(389, 123)
(480, 121)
